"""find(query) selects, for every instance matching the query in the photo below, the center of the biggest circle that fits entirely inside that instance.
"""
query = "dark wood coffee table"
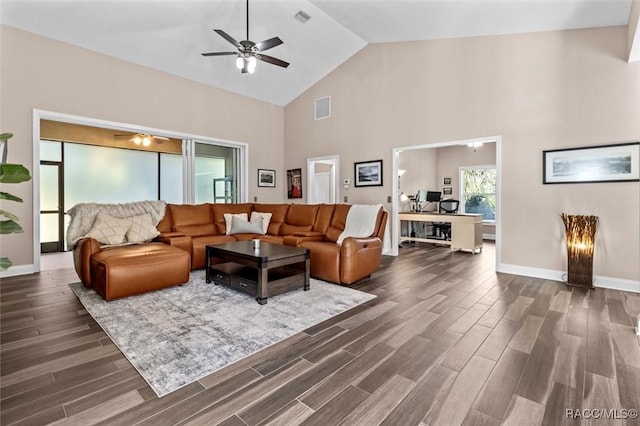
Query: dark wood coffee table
(269, 270)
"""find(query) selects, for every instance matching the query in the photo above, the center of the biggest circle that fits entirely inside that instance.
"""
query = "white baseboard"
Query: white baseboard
(18, 270)
(550, 274)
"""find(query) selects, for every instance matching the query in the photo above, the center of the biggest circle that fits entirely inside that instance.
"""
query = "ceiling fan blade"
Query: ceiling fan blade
(161, 138)
(230, 39)
(219, 53)
(268, 44)
(272, 60)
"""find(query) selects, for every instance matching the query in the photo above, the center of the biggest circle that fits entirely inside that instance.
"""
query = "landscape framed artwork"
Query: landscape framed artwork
(447, 190)
(603, 163)
(294, 183)
(267, 178)
(368, 173)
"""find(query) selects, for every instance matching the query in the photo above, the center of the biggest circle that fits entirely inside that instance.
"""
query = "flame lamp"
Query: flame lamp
(580, 235)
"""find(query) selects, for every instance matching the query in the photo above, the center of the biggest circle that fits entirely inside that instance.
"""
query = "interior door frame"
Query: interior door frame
(395, 222)
(334, 162)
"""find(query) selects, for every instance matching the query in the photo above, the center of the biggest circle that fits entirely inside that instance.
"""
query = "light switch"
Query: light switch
(346, 199)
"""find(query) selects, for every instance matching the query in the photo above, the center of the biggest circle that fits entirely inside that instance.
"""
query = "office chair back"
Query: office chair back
(449, 206)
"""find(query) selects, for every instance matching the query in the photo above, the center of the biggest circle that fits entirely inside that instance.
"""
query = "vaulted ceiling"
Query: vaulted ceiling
(169, 35)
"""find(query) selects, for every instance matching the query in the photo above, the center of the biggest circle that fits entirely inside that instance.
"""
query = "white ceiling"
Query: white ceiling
(169, 35)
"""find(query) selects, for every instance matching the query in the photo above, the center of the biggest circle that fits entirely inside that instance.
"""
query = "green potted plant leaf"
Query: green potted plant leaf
(10, 173)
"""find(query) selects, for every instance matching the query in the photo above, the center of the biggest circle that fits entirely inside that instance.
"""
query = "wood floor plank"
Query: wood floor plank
(339, 407)
(498, 390)
(293, 413)
(524, 412)
(498, 339)
(464, 349)
(577, 321)
(379, 405)
(351, 372)
(524, 339)
(463, 392)
(254, 413)
(535, 381)
(599, 346)
(105, 409)
(429, 356)
(428, 390)
(390, 366)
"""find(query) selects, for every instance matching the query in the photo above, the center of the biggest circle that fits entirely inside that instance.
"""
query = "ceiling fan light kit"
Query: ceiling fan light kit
(249, 52)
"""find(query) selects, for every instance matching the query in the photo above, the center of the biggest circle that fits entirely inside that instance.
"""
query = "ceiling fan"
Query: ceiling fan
(144, 139)
(248, 51)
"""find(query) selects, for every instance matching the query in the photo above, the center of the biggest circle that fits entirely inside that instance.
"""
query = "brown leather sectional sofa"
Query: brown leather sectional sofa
(186, 230)
(316, 227)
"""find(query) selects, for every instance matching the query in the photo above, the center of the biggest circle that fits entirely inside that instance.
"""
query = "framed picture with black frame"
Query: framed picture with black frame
(368, 173)
(267, 178)
(602, 163)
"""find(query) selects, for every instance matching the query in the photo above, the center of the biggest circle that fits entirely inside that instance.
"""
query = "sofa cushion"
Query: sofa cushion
(338, 222)
(278, 215)
(107, 229)
(243, 226)
(266, 218)
(194, 220)
(141, 229)
(228, 219)
(300, 217)
(323, 219)
(219, 210)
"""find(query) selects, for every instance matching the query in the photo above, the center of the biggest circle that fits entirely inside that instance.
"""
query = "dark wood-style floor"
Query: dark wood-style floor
(447, 341)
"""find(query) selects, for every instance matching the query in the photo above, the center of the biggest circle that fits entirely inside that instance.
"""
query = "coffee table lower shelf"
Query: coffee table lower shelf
(246, 279)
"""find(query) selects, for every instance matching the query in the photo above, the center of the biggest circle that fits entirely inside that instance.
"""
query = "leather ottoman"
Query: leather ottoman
(123, 271)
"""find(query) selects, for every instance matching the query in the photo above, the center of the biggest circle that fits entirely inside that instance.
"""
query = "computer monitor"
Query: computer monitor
(421, 196)
(433, 196)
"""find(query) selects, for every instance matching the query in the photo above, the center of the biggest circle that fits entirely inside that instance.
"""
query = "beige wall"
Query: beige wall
(40, 73)
(537, 91)
(421, 170)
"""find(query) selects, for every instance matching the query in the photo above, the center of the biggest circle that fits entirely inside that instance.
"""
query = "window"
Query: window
(478, 191)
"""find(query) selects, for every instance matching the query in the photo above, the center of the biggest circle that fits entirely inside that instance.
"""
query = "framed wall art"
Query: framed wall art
(294, 183)
(267, 178)
(604, 163)
(446, 181)
(368, 173)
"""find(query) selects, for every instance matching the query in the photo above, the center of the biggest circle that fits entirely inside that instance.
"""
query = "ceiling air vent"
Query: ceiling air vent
(323, 108)
(302, 17)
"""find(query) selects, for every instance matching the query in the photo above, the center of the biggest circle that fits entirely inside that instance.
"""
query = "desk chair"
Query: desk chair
(442, 228)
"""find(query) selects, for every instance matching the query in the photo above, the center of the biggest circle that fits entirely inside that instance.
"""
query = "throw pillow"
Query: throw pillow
(242, 226)
(227, 220)
(266, 218)
(141, 229)
(108, 229)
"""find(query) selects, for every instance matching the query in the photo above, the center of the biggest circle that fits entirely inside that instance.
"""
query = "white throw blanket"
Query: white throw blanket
(361, 221)
(84, 214)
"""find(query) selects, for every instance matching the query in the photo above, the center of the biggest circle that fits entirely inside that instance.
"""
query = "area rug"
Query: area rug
(175, 336)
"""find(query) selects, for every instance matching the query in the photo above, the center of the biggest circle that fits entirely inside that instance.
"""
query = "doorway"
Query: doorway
(440, 183)
(322, 179)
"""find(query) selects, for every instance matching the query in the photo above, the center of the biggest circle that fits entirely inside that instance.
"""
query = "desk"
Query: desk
(466, 229)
